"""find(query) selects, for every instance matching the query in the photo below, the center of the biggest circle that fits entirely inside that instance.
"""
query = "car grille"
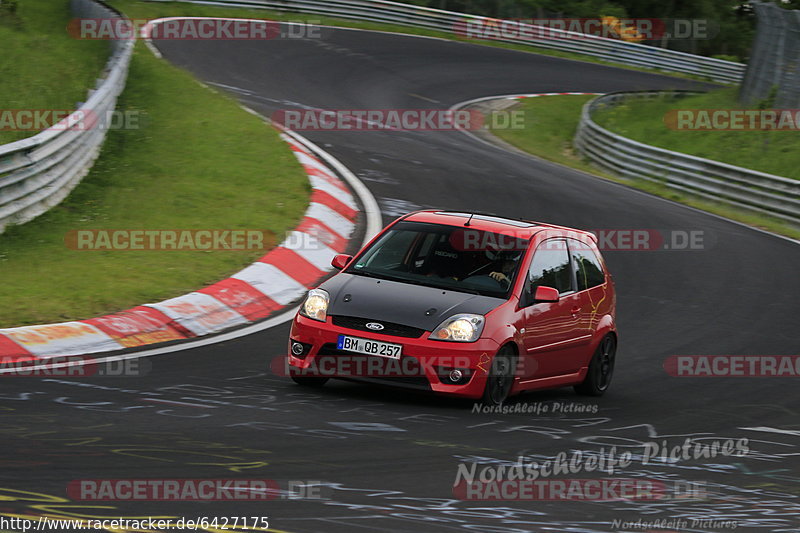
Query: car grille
(389, 328)
(416, 381)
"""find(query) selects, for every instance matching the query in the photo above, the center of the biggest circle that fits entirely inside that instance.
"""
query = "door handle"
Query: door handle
(575, 311)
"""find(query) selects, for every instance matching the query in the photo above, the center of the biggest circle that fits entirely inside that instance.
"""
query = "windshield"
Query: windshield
(445, 257)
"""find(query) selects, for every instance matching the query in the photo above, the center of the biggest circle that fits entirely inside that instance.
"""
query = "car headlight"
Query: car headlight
(315, 305)
(459, 328)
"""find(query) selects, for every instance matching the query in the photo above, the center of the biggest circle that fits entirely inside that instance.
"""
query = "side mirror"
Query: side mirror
(340, 261)
(545, 294)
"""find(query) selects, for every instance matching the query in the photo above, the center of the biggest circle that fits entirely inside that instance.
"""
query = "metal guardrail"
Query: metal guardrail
(773, 72)
(612, 50)
(735, 186)
(38, 172)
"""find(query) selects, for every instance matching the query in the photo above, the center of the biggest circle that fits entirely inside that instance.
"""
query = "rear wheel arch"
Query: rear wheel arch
(606, 326)
(601, 367)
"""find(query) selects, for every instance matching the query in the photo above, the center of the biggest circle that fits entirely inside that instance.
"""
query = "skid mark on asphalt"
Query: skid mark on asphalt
(395, 207)
(414, 95)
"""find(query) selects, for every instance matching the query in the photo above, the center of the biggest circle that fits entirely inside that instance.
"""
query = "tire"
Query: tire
(500, 378)
(310, 381)
(601, 369)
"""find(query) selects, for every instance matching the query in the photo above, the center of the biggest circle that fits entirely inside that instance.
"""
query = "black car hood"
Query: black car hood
(402, 303)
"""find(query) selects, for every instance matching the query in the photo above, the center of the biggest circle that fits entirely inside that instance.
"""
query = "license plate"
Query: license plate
(370, 347)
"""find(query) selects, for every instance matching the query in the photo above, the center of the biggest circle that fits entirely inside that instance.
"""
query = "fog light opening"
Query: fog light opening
(454, 376)
(297, 348)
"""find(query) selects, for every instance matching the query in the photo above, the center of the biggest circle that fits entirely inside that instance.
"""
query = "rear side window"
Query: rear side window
(550, 267)
(588, 270)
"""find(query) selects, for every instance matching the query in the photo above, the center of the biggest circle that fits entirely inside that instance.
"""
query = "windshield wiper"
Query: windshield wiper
(368, 274)
(364, 273)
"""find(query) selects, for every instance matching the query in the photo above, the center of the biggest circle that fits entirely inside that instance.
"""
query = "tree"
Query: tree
(8, 7)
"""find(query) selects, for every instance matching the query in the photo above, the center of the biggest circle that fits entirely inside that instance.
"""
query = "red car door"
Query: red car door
(551, 328)
(594, 296)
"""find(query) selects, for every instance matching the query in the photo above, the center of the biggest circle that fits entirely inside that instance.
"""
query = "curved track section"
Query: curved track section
(386, 460)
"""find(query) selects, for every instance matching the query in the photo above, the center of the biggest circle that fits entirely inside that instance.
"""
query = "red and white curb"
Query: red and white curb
(278, 278)
(462, 105)
(536, 95)
(521, 96)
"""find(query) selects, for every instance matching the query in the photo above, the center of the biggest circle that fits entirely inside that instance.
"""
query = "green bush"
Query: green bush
(8, 7)
(727, 57)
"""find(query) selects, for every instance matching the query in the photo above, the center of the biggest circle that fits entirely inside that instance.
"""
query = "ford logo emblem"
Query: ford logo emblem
(374, 326)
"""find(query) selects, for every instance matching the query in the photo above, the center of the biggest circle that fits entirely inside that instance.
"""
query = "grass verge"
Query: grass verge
(550, 125)
(147, 10)
(198, 161)
(41, 66)
(774, 152)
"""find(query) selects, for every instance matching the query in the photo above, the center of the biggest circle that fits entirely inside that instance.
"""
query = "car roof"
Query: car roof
(488, 222)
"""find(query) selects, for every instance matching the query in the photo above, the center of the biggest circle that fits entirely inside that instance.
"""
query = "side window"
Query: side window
(588, 270)
(550, 267)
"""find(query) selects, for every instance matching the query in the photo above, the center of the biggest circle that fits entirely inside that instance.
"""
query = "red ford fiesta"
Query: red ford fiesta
(467, 304)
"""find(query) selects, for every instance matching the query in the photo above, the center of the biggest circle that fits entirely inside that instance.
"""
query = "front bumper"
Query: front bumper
(424, 364)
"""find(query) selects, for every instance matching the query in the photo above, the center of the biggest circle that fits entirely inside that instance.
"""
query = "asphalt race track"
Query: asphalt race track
(386, 459)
